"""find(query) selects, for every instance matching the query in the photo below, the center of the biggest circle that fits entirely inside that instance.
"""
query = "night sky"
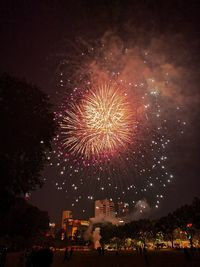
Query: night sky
(34, 37)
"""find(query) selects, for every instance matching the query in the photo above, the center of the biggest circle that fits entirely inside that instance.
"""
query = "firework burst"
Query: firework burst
(116, 126)
(100, 125)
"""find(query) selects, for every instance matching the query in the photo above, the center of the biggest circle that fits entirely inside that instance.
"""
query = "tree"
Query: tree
(107, 231)
(141, 230)
(188, 217)
(27, 128)
(168, 225)
(24, 224)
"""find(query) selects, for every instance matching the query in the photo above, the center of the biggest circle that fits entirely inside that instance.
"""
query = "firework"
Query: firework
(116, 125)
(100, 125)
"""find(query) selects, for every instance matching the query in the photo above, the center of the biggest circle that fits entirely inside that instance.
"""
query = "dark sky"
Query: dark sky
(33, 34)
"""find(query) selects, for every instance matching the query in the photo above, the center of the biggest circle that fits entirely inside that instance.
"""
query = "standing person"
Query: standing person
(21, 258)
(146, 259)
(99, 250)
(102, 250)
(28, 261)
(66, 255)
(3, 255)
(71, 252)
(187, 254)
(31, 258)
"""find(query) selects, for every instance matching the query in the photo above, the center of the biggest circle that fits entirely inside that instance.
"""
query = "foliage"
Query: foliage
(24, 223)
(27, 127)
(167, 227)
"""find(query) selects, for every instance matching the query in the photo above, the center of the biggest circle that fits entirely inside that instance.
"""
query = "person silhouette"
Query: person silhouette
(71, 252)
(102, 251)
(146, 259)
(66, 255)
(187, 254)
(21, 258)
(31, 258)
(3, 255)
(99, 250)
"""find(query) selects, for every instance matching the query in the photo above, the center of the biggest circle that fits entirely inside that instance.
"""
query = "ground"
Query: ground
(124, 259)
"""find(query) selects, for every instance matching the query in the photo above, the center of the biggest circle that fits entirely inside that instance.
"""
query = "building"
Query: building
(122, 209)
(75, 228)
(104, 208)
(72, 228)
(66, 214)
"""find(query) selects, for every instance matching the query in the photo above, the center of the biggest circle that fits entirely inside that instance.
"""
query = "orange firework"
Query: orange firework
(100, 125)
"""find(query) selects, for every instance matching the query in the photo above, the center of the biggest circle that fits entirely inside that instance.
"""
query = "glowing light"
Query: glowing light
(100, 125)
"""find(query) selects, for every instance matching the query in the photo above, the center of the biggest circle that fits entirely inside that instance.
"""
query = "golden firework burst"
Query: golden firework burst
(101, 124)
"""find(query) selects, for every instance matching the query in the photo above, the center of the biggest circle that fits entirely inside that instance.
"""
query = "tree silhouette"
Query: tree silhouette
(27, 127)
(185, 218)
(167, 226)
(23, 224)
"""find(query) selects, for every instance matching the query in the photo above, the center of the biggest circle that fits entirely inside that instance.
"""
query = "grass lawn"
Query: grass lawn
(124, 259)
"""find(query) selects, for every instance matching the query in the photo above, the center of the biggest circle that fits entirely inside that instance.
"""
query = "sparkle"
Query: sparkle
(115, 128)
(101, 124)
